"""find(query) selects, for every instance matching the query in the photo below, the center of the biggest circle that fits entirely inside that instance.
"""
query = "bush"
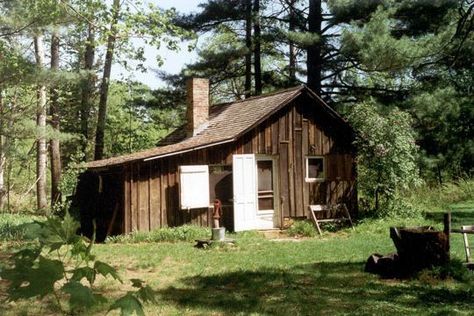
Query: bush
(167, 234)
(302, 229)
(387, 155)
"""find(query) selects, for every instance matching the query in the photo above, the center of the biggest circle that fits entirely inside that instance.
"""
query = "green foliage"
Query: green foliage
(455, 270)
(167, 234)
(302, 229)
(60, 263)
(440, 197)
(13, 227)
(444, 117)
(387, 155)
(135, 122)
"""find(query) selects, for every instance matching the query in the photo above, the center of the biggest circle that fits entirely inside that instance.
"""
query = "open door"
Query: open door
(253, 193)
(245, 192)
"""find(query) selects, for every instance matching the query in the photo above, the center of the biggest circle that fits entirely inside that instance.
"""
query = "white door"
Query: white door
(245, 192)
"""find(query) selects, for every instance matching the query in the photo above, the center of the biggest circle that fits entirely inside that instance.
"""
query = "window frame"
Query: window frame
(309, 179)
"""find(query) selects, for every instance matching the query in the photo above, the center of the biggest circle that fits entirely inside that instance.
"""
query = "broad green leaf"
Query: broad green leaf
(84, 272)
(36, 281)
(147, 294)
(136, 282)
(105, 269)
(128, 305)
(32, 230)
(69, 228)
(81, 296)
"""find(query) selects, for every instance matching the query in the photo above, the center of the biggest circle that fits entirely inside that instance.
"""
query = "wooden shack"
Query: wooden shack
(266, 158)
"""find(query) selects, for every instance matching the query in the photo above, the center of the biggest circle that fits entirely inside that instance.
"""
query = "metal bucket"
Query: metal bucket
(218, 233)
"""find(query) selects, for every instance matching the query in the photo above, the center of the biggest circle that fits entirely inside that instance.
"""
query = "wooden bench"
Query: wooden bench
(338, 213)
(465, 230)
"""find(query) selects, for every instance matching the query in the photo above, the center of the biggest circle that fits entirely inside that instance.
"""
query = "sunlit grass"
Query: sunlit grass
(306, 276)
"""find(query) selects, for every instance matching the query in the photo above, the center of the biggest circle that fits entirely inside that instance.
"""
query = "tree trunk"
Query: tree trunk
(3, 159)
(291, 45)
(257, 48)
(41, 151)
(104, 88)
(54, 144)
(248, 45)
(87, 88)
(314, 61)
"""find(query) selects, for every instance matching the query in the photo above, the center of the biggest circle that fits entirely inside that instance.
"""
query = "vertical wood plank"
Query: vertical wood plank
(261, 139)
(163, 213)
(127, 201)
(154, 194)
(274, 132)
(318, 140)
(134, 197)
(284, 179)
(291, 167)
(305, 147)
(268, 138)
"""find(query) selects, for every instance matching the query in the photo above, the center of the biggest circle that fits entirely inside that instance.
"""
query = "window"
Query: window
(315, 169)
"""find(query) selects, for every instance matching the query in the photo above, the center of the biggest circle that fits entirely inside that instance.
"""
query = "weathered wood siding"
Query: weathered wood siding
(151, 189)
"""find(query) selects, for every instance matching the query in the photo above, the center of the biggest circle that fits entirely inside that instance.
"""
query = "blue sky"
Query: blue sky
(173, 61)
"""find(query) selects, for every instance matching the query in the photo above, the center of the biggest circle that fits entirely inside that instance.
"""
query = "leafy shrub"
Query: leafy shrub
(60, 264)
(302, 229)
(387, 155)
(167, 234)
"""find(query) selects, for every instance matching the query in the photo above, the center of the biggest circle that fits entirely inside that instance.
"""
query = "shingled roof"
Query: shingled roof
(227, 122)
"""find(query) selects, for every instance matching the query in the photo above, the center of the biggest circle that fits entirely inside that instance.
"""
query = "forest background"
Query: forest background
(400, 71)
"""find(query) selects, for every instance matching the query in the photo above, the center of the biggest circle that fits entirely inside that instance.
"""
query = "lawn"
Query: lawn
(260, 276)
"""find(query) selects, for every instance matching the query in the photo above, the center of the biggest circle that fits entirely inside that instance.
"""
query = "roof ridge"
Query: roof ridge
(268, 94)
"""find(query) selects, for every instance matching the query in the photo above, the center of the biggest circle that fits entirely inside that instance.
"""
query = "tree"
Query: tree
(408, 54)
(104, 87)
(41, 150)
(3, 159)
(54, 145)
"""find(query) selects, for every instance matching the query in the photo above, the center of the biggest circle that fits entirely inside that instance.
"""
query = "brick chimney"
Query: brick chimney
(197, 100)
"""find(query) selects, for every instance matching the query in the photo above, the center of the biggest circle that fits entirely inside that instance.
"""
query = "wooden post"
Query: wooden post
(447, 231)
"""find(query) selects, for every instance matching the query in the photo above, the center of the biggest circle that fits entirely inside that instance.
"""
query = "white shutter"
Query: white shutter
(245, 192)
(194, 186)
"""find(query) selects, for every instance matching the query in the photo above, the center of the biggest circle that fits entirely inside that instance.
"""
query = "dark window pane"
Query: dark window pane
(265, 203)
(265, 177)
(315, 168)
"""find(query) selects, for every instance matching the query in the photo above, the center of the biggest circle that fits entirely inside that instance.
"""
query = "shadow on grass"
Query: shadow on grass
(322, 288)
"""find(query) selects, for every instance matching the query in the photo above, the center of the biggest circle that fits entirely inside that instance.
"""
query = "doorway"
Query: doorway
(255, 192)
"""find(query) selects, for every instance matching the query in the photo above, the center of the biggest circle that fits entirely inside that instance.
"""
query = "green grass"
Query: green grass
(11, 225)
(322, 275)
(312, 276)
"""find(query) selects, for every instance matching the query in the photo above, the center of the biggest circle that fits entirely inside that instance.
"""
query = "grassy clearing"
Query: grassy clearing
(322, 275)
(309, 276)
(11, 225)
